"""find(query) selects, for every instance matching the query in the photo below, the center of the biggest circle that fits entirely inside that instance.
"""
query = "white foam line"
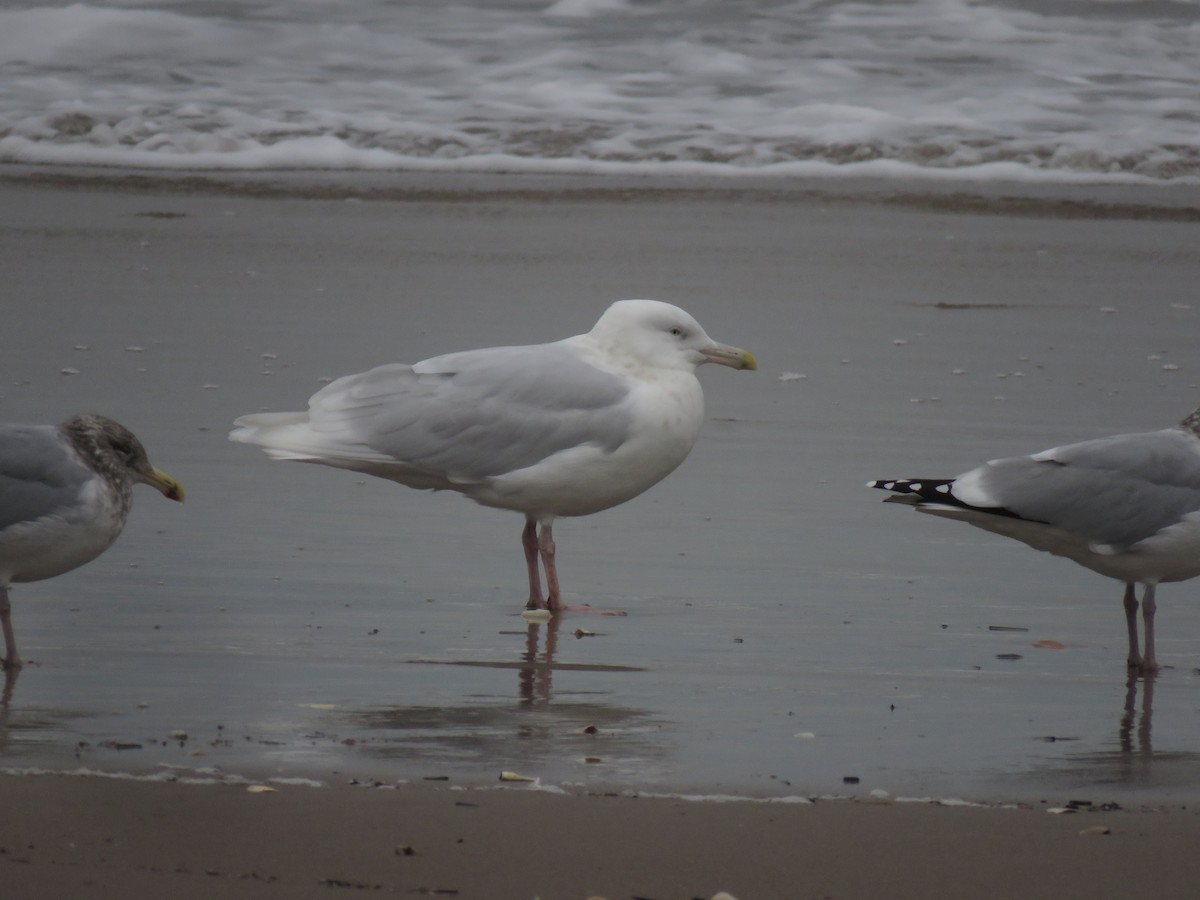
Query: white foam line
(721, 798)
(314, 154)
(170, 774)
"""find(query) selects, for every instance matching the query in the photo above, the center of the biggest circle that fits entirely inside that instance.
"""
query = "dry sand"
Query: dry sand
(71, 837)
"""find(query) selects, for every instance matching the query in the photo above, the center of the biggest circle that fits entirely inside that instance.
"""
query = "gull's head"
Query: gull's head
(113, 447)
(661, 335)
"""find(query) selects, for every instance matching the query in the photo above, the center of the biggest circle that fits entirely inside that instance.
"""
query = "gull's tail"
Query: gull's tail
(291, 435)
(284, 435)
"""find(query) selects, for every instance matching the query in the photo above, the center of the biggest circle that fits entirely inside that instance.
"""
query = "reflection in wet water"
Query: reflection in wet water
(537, 679)
(539, 730)
(10, 682)
(1127, 763)
(1131, 761)
(678, 696)
(24, 731)
(1134, 736)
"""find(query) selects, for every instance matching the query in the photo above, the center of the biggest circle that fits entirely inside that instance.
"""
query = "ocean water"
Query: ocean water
(1057, 90)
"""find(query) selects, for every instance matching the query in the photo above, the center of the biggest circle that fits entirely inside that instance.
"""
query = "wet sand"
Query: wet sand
(785, 631)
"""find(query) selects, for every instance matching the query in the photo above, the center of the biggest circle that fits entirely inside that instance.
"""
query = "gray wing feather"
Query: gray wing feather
(1114, 491)
(480, 413)
(37, 474)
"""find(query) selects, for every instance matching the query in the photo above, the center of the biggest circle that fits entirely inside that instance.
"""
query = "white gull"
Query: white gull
(567, 428)
(1126, 506)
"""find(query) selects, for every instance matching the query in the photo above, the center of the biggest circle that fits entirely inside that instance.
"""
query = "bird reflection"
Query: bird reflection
(1134, 734)
(533, 731)
(535, 679)
(1131, 760)
(10, 682)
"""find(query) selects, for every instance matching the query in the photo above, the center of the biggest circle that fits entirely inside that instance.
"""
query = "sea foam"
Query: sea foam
(976, 89)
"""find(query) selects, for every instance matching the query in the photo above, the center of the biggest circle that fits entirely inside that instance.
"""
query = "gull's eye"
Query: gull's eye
(122, 449)
(677, 331)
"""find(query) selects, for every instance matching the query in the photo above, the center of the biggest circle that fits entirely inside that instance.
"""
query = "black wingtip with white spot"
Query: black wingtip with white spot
(939, 491)
(934, 490)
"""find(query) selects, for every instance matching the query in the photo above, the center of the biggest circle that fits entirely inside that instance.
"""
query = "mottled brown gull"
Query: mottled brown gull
(1126, 506)
(567, 428)
(65, 492)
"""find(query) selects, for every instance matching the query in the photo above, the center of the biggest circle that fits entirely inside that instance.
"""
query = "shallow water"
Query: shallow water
(784, 631)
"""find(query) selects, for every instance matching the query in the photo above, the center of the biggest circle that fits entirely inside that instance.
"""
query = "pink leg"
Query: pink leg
(1134, 660)
(13, 658)
(529, 541)
(546, 548)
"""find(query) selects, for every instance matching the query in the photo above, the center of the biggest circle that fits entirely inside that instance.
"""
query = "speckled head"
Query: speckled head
(115, 453)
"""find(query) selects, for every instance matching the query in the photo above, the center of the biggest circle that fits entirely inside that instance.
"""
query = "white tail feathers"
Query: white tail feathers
(288, 435)
(281, 435)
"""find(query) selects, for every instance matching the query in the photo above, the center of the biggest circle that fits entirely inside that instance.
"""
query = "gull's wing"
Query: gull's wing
(38, 474)
(463, 417)
(1112, 492)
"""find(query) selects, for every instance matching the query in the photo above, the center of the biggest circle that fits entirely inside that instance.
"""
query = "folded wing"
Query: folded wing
(453, 420)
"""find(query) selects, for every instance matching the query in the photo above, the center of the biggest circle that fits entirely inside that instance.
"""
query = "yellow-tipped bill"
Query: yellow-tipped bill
(168, 486)
(734, 357)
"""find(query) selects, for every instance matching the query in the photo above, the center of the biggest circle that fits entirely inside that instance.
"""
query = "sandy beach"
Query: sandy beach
(785, 632)
(98, 838)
